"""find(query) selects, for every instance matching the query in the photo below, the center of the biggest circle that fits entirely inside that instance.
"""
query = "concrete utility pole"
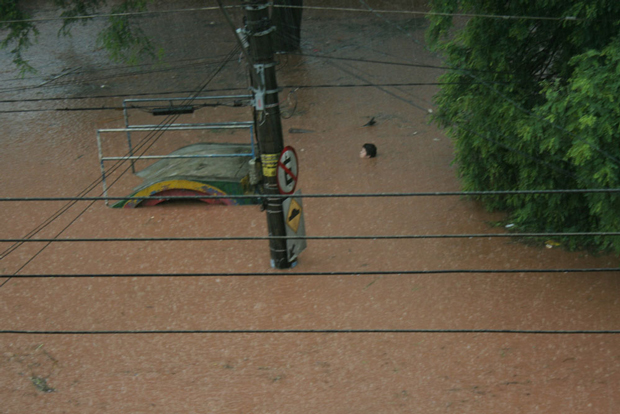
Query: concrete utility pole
(267, 118)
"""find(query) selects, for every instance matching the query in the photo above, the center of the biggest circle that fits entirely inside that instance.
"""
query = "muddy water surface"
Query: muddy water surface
(54, 153)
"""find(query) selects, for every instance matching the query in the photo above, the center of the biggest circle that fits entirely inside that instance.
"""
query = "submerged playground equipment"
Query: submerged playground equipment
(209, 169)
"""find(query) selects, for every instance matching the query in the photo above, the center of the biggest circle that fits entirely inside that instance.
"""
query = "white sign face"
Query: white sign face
(294, 225)
(288, 171)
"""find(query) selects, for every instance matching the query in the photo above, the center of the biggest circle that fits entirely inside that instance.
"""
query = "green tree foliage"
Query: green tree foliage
(122, 38)
(534, 104)
(19, 32)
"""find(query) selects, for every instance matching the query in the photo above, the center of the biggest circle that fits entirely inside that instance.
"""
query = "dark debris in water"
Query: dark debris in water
(41, 384)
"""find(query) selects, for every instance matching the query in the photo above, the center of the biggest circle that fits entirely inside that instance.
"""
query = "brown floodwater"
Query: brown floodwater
(54, 153)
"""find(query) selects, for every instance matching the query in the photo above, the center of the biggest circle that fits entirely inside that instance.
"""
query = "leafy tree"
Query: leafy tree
(122, 37)
(534, 104)
(19, 32)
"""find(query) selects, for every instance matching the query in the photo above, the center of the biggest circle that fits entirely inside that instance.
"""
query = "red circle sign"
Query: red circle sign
(288, 171)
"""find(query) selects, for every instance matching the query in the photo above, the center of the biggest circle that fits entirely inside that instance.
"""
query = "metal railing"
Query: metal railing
(168, 127)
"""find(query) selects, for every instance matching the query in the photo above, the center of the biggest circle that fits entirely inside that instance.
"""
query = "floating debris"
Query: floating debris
(551, 244)
(41, 384)
(299, 131)
(372, 122)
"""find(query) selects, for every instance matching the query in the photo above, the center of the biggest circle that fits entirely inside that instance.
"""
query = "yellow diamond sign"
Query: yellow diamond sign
(293, 216)
(295, 226)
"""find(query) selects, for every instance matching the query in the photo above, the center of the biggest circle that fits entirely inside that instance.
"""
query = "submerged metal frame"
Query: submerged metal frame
(142, 100)
(168, 127)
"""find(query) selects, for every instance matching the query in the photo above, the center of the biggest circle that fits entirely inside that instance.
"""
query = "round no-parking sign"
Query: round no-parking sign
(288, 171)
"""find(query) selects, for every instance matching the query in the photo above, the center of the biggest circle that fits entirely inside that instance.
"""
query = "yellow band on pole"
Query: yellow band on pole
(270, 164)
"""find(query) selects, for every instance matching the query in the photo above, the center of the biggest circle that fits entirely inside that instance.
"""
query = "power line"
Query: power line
(330, 331)
(89, 188)
(312, 331)
(419, 107)
(120, 67)
(380, 62)
(504, 145)
(67, 83)
(337, 9)
(535, 159)
(355, 195)
(127, 14)
(65, 208)
(111, 108)
(424, 109)
(117, 108)
(335, 273)
(53, 84)
(34, 256)
(94, 108)
(489, 86)
(335, 195)
(426, 13)
(128, 95)
(349, 237)
(288, 86)
(485, 83)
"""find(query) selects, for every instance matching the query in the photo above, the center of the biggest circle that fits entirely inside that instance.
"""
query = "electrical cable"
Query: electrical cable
(296, 87)
(382, 62)
(535, 159)
(288, 110)
(111, 108)
(337, 9)
(96, 108)
(67, 206)
(95, 16)
(506, 146)
(306, 331)
(31, 259)
(98, 181)
(128, 95)
(383, 237)
(335, 273)
(379, 88)
(371, 85)
(508, 99)
(149, 137)
(426, 13)
(15, 246)
(49, 243)
(369, 237)
(82, 82)
(425, 110)
(325, 195)
(104, 68)
(312, 331)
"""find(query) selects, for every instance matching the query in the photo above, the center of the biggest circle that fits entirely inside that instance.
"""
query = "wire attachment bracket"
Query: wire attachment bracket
(259, 93)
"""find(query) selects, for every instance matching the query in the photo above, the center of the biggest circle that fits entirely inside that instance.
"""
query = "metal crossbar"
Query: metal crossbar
(168, 127)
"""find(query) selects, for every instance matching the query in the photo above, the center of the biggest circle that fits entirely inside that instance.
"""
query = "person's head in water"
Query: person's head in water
(368, 151)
